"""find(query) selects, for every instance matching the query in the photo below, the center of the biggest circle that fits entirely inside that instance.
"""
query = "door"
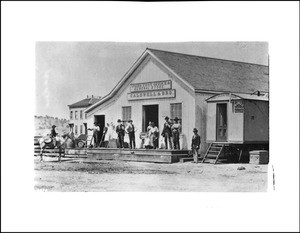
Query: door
(100, 119)
(221, 122)
(150, 113)
(85, 129)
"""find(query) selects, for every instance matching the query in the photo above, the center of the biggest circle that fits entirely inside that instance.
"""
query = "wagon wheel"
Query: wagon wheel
(81, 144)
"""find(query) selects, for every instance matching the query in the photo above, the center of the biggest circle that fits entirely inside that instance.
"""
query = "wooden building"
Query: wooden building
(237, 124)
(238, 118)
(78, 118)
(162, 83)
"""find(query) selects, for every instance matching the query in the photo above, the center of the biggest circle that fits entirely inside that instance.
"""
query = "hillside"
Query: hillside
(43, 125)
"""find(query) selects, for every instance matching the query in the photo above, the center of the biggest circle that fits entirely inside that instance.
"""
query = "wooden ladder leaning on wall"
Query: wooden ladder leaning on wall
(213, 152)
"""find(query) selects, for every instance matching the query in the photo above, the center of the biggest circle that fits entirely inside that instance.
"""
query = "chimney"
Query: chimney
(92, 96)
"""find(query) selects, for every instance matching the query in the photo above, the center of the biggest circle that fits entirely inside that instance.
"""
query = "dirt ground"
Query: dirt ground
(83, 175)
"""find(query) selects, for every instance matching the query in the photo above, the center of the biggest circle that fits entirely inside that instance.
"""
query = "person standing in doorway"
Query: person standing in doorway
(167, 133)
(96, 134)
(196, 142)
(176, 129)
(120, 130)
(130, 129)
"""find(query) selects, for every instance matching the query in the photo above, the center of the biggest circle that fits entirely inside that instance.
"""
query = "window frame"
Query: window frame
(174, 111)
(125, 116)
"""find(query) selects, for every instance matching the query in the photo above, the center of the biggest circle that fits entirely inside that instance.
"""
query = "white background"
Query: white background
(24, 23)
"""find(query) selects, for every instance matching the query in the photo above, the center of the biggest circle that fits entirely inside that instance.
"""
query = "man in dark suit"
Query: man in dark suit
(196, 141)
(130, 129)
(120, 130)
(53, 134)
(167, 133)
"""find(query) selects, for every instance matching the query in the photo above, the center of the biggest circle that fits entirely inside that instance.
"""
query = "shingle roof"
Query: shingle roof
(205, 73)
(84, 103)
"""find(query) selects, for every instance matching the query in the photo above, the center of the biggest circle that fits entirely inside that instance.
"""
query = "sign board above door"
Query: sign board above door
(160, 94)
(151, 86)
(151, 90)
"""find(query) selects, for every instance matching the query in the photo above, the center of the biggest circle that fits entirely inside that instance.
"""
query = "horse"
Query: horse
(47, 142)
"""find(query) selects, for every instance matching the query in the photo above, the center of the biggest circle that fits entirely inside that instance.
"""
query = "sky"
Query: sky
(67, 72)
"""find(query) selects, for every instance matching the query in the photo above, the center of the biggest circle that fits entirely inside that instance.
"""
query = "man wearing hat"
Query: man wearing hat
(130, 129)
(176, 128)
(96, 134)
(167, 133)
(196, 141)
(53, 134)
(120, 130)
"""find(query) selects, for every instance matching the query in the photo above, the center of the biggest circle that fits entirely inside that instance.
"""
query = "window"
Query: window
(85, 115)
(126, 113)
(76, 129)
(75, 115)
(176, 111)
(80, 129)
(81, 114)
(71, 115)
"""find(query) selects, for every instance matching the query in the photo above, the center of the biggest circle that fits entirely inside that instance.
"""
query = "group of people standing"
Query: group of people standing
(110, 131)
(171, 132)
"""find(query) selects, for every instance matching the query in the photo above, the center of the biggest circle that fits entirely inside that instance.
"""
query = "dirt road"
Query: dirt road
(81, 175)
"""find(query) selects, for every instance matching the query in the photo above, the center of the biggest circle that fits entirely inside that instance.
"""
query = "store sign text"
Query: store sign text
(159, 94)
(150, 86)
(238, 107)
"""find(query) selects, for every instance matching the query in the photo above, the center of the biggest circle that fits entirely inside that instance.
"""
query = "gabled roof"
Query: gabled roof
(237, 96)
(212, 74)
(84, 103)
(203, 73)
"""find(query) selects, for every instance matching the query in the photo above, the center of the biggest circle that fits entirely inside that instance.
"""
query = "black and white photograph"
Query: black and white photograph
(149, 116)
(178, 119)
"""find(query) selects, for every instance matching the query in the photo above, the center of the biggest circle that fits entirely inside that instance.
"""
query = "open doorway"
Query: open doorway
(100, 120)
(150, 113)
(85, 129)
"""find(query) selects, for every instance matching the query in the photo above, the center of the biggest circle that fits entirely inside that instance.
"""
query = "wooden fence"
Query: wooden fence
(47, 152)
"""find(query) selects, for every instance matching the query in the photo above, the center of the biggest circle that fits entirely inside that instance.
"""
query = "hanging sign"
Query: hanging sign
(238, 107)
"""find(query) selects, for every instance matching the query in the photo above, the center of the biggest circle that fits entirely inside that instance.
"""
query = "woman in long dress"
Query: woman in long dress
(147, 143)
(107, 135)
(154, 132)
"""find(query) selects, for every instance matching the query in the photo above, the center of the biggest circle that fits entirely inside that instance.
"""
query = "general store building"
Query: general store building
(162, 83)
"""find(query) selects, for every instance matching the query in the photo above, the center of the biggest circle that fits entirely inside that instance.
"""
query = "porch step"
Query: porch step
(213, 152)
